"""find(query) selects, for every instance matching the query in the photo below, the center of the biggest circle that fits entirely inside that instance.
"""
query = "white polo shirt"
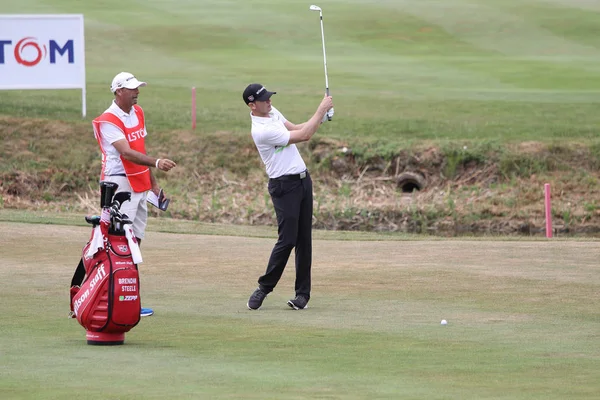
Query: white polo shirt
(271, 138)
(111, 134)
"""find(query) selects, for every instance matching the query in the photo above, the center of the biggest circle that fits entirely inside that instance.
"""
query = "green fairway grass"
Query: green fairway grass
(522, 321)
(399, 70)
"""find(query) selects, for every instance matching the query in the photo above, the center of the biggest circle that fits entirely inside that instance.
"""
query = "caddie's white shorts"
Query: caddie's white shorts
(136, 209)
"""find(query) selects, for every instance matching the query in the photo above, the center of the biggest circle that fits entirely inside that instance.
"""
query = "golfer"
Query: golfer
(121, 133)
(290, 187)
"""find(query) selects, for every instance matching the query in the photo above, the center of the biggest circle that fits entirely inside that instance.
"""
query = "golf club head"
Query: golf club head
(315, 8)
(107, 191)
(122, 197)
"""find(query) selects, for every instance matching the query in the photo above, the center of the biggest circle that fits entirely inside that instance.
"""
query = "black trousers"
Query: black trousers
(293, 202)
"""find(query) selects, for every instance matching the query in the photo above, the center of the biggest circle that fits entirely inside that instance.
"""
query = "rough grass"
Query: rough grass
(399, 71)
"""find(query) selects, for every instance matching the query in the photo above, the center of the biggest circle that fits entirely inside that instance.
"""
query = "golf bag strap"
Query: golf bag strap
(79, 274)
(76, 282)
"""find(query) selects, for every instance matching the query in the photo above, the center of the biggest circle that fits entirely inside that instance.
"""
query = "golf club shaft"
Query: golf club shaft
(324, 54)
(324, 58)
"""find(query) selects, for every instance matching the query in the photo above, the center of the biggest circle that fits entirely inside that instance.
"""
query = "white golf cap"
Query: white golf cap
(125, 80)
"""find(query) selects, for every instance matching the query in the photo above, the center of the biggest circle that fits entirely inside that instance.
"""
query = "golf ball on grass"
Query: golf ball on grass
(444, 322)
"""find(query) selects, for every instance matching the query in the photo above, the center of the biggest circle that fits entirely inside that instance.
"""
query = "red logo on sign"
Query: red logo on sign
(29, 42)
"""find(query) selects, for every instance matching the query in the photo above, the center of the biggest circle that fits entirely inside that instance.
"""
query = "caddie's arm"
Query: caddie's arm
(122, 146)
(154, 183)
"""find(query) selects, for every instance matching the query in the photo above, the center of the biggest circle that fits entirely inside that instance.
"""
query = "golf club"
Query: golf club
(317, 8)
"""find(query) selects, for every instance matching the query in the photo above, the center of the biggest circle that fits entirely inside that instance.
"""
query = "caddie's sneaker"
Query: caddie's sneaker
(146, 312)
(299, 303)
(256, 299)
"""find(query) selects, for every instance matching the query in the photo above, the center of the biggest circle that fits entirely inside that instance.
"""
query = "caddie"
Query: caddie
(121, 133)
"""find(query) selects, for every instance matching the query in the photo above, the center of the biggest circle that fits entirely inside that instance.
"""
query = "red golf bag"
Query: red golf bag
(105, 295)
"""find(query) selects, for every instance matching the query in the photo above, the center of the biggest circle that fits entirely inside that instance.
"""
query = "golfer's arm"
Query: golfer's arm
(129, 154)
(293, 127)
(307, 129)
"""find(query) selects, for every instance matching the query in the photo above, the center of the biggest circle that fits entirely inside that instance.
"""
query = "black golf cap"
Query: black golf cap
(256, 92)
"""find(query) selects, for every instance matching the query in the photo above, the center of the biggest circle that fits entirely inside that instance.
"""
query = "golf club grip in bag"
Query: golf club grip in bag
(108, 299)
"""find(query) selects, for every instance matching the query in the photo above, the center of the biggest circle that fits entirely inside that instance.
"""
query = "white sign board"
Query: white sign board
(42, 52)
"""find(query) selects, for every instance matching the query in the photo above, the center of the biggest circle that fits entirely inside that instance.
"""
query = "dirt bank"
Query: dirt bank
(465, 189)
